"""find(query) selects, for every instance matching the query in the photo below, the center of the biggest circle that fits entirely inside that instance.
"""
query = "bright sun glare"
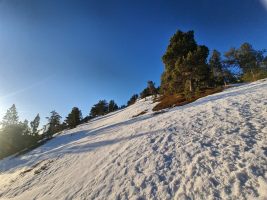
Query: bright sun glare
(264, 3)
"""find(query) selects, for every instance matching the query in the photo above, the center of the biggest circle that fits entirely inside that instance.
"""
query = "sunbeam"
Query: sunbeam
(11, 94)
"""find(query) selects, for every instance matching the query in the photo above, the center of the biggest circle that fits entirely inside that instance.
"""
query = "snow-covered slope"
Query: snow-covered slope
(214, 148)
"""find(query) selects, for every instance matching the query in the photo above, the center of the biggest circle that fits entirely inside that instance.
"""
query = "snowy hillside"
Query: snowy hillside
(214, 148)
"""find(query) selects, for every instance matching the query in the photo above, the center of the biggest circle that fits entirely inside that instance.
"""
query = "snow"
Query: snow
(213, 148)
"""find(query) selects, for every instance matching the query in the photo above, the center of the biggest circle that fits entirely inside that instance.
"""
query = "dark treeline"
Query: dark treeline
(189, 71)
(16, 136)
(103, 107)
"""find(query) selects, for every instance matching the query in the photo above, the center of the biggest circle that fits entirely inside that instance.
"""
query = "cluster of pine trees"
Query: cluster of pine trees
(188, 69)
(191, 72)
(103, 107)
(16, 135)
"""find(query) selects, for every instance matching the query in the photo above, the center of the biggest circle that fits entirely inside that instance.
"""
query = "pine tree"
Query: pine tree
(248, 60)
(185, 63)
(74, 117)
(112, 106)
(34, 125)
(132, 100)
(122, 107)
(26, 128)
(101, 108)
(194, 69)
(54, 124)
(11, 117)
(15, 135)
(217, 70)
(149, 90)
(180, 45)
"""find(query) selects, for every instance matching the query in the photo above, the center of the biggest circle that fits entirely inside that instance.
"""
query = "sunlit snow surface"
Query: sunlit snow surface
(214, 148)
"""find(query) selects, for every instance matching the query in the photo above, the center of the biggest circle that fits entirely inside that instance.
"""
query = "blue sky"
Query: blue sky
(56, 54)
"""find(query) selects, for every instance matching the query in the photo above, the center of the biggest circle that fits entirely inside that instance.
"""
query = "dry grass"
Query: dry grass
(170, 101)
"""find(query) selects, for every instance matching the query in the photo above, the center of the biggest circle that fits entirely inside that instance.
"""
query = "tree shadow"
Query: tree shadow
(87, 146)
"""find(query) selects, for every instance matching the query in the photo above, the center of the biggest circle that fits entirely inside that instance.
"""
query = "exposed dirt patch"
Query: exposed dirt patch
(169, 101)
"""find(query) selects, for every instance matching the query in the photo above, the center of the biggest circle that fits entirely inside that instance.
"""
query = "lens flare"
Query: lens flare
(264, 3)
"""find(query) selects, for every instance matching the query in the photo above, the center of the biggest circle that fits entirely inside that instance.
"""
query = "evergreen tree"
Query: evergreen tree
(216, 69)
(185, 65)
(132, 100)
(101, 108)
(11, 117)
(194, 69)
(54, 124)
(26, 129)
(112, 106)
(144, 93)
(180, 45)
(149, 90)
(86, 119)
(231, 57)
(122, 107)
(74, 118)
(14, 135)
(248, 60)
(12, 139)
(34, 125)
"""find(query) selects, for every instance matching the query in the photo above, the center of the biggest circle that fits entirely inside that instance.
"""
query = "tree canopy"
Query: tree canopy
(54, 124)
(149, 90)
(74, 117)
(132, 100)
(185, 63)
(250, 62)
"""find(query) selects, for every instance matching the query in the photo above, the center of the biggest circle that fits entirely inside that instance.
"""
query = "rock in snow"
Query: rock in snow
(213, 148)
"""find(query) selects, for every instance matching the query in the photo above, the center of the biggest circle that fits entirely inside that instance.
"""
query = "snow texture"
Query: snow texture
(213, 148)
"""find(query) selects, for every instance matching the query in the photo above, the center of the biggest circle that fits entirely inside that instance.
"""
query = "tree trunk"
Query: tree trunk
(224, 83)
(253, 76)
(190, 85)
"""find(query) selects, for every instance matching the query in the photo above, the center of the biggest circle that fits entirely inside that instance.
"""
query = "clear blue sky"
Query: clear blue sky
(58, 54)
